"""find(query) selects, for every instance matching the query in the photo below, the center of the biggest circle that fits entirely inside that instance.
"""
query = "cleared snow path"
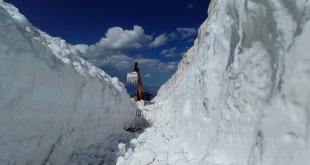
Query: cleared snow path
(157, 144)
(108, 150)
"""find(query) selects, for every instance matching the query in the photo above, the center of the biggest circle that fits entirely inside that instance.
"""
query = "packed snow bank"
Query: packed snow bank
(241, 93)
(52, 103)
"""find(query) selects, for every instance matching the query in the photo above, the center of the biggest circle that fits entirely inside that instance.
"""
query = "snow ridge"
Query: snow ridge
(240, 92)
(52, 102)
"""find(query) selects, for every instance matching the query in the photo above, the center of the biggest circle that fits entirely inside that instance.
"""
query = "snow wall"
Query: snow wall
(52, 102)
(241, 94)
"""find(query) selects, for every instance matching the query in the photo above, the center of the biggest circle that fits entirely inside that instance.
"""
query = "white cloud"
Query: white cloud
(191, 40)
(148, 75)
(154, 65)
(80, 47)
(119, 62)
(186, 32)
(172, 52)
(169, 52)
(172, 65)
(173, 36)
(118, 41)
(111, 53)
(118, 38)
(182, 33)
(158, 41)
(182, 53)
(126, 63)
(190, 6)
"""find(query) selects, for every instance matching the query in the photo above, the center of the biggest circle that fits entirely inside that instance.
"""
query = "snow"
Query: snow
(121, 148)
(240, 95)
(145, 156)
(55, 108)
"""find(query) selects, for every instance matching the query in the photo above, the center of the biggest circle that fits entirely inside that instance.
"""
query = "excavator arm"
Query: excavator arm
(135, 78)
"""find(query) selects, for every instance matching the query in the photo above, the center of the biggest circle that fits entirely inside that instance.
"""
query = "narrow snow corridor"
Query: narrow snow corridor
(157, 144)
(240, 95)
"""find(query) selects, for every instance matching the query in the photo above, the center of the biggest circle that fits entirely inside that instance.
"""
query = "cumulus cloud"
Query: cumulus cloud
(171, 65)
(118, 41)
(152, 65)
(125, 63)
(182, 33)
(80, 47)
(148, 75)
(118, 38)
(158, 41)
(186, 32)
(113, 53)
(119, 62)
(172, 52)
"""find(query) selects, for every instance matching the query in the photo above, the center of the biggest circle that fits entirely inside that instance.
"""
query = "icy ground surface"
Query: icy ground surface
(109, 149)
(157, 144)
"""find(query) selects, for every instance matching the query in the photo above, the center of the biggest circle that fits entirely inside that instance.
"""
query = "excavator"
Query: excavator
(135, 78)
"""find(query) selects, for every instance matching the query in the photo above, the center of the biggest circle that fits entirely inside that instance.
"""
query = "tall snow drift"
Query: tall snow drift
(241, 93)
(52, 103)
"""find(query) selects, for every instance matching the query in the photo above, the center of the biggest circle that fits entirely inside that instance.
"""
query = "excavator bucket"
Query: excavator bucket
(132, 78)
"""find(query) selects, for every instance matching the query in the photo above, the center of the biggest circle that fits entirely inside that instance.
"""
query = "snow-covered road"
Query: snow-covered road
(158, 144)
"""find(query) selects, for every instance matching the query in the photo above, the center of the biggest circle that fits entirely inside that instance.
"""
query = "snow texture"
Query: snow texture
(53, 104)
(240, 95)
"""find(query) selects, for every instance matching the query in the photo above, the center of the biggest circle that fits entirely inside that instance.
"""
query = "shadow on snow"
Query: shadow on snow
(107, 152)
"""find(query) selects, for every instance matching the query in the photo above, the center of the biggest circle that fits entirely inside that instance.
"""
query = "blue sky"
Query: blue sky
(112, 34)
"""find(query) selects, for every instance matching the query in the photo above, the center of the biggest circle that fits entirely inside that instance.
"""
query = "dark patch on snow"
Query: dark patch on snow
(257, 150)
(148, 103)
(235, 37)
(47, 160)
(140, 125)
(106, 152)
